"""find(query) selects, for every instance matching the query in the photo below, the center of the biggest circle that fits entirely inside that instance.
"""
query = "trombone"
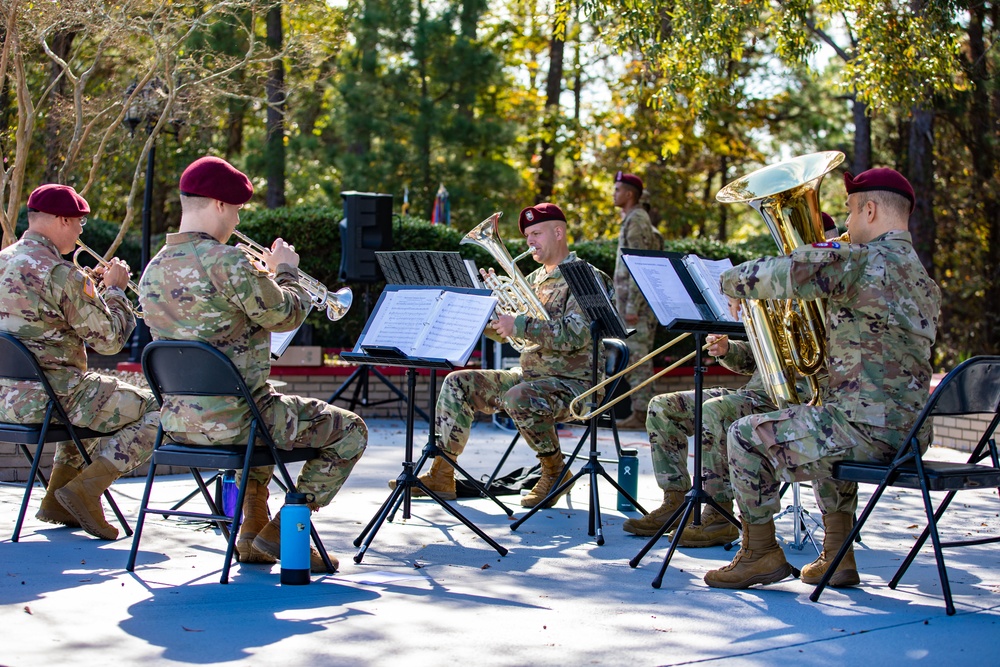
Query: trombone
(101, 262)
(575, 406)
(337, 303)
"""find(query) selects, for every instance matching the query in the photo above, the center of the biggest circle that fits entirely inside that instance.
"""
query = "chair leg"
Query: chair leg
(130, 567)
(503, 459)
(28, 486)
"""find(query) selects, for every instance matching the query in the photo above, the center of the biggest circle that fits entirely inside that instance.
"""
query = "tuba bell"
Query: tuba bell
(787, 336)
(514, 294)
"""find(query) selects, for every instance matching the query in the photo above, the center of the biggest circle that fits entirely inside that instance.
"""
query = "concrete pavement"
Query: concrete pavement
(429, 592)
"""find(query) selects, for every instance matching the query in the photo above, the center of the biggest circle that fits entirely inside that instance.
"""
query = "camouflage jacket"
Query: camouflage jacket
(55, 310)
(637, 231)
(564, 339)
(881, 317)
(199, 289)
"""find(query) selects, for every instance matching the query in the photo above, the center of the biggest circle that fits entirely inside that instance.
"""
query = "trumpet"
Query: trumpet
(337, 303)
(576, 405)
(84, 248)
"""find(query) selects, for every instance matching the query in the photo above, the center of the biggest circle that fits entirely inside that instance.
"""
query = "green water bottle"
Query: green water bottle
(628, 477)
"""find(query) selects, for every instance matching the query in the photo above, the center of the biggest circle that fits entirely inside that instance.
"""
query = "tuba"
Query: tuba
(787, 336)
(514, 294)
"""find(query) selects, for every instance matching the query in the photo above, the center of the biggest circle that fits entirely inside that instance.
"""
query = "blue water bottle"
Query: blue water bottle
(628, 477)
(295, 540)
(230, 493)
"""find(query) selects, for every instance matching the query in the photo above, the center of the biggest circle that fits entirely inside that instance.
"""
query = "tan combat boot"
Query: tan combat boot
(552, 465)
(838, 525)
(715, 529)
(760, 560)
(268, 542)
(440, 479)
(51, 511)
(648, 525)
(255, 517)
(82, 497)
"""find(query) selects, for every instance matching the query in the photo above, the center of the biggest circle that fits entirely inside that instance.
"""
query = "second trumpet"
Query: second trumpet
(337, 303)
(83, 247)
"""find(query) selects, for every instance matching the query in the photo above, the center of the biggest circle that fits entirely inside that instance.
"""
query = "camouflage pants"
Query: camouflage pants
(295, 422)
(105, 403)
(639, 345)
(535, 406)
(797, 444)
(670, 422)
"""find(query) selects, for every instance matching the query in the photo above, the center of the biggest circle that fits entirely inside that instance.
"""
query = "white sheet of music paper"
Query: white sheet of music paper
(430, 323)
(662, 287)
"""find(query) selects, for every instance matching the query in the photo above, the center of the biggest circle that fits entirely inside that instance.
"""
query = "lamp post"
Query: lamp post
(145, 108)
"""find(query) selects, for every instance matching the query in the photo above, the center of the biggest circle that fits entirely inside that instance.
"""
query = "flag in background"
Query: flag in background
(442, 208)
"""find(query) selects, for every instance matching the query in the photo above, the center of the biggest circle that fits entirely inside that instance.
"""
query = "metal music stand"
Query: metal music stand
(359, 378)
(604, 321)
(707, 323)
(402, 493)
(431, 268)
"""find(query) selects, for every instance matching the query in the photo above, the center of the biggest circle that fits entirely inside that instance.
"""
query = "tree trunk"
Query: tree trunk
(920, 172)
(61, 44)
(983, 151)
(553, 88)
(274, 151)
(862, 137)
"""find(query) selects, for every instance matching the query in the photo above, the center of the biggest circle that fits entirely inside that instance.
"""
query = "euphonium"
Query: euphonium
(514, 294)
(102, 262)
(787, 336)
(337, 303)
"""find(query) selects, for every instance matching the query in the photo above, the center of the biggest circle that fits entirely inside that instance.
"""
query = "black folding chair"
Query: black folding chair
(18, 363)
(971, 388)
(190, 368)
(615, 361)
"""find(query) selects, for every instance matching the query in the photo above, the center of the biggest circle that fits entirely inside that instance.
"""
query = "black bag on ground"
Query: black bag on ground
(505, 485)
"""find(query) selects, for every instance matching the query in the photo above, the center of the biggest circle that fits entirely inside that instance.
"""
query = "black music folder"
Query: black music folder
(683, 290)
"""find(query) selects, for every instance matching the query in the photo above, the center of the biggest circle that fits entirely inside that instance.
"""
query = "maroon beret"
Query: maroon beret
(881, 178)
(828, 222)
(215, 178)
(59, 200)
(629, 179)
(532, 215)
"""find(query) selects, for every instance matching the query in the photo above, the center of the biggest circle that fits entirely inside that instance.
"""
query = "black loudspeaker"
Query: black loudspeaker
(365, 229)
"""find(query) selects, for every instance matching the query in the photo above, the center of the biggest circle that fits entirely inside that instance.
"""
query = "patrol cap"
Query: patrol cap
(215, 178)
(629, 179)
(532, 215)
(61, 200)
(880, 178)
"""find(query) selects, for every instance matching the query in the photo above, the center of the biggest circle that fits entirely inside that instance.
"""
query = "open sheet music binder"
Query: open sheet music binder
(435, 324)
(280, 340)
(682, 290)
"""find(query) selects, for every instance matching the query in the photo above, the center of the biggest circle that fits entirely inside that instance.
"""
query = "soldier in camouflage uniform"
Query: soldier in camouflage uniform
(670, 422)
(636, 232)
(199, 288)
(56, 310)
(881, 315)
(537, 395)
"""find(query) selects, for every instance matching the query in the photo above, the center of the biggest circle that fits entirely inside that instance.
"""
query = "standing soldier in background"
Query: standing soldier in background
(636, 232)
(56, 310)
(199, 288)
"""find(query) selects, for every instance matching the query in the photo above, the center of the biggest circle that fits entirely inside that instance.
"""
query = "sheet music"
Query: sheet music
(706, 274)
(662, 287)
(280, 340)
(430, 323)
